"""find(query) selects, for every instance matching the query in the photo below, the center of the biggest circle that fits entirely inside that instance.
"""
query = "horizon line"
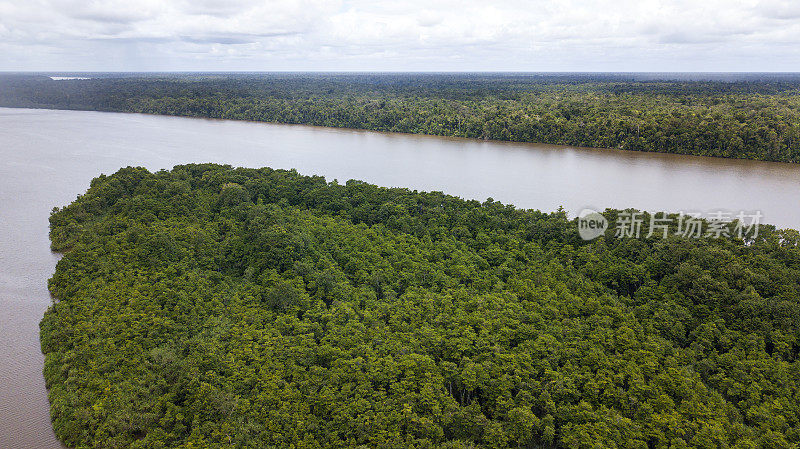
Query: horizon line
(412, 71)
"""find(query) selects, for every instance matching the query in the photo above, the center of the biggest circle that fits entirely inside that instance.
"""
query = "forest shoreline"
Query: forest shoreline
(555, 146)
(752, 118)
(208, 299)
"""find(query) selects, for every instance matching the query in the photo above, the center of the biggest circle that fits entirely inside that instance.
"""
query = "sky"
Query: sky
(399, 35)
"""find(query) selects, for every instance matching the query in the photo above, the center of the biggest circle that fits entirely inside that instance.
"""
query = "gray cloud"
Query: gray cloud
(647, 35)
(132, 40)
(779, 9)
(233, 39)
(682, 37)
(107, 16)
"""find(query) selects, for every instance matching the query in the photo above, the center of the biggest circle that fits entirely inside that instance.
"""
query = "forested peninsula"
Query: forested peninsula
(211, 306)
(737, 116)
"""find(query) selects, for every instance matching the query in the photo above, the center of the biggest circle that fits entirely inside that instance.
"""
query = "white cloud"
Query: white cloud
(647, 35)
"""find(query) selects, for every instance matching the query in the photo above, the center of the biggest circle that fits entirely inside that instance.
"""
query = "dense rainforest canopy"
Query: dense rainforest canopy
(738, 116)
(209, 306)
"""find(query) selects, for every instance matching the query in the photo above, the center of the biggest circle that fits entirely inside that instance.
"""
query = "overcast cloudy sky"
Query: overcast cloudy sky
(265, 35)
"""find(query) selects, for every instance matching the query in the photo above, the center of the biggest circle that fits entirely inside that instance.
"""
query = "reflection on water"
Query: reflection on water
(50, 156)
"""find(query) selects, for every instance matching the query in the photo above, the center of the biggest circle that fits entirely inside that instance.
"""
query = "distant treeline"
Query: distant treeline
(750, 117)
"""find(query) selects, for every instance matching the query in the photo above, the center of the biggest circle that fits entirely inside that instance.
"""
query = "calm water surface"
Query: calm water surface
(49, 157)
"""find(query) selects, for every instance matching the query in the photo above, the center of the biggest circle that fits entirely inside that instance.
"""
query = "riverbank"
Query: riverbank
(743, 117)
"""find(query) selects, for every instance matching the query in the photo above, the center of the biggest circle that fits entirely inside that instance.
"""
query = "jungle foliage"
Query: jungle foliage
(209, 306)
(750, 117)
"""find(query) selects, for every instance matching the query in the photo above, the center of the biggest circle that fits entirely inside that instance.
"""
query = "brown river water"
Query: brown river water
(48, 158)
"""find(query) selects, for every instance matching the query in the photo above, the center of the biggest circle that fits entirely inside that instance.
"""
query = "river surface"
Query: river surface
(48, 157)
